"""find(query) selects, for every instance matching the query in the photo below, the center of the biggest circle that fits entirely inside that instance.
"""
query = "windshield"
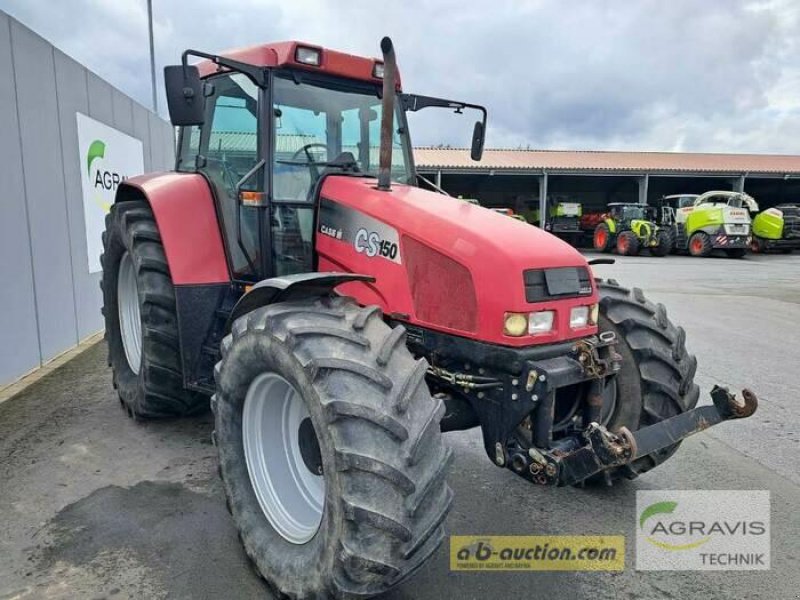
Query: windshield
(316, 124)
(633, 212)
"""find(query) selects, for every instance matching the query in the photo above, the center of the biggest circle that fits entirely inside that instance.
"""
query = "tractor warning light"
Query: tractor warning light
(308, 56)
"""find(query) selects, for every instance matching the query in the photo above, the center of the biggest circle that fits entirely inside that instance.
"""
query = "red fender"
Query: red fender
(187, 221)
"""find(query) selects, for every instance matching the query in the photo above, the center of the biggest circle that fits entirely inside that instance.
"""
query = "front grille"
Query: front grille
(552, 284)
(791, 226)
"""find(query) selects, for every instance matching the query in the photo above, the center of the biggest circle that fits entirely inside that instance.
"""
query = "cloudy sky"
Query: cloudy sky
(683, 75)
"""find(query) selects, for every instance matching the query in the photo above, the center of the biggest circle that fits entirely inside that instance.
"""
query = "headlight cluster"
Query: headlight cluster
(543, 321)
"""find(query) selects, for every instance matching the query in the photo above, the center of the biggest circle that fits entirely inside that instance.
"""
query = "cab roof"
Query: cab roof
(284, 54)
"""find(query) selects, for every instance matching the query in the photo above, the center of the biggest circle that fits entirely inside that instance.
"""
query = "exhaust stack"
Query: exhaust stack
(387, 118)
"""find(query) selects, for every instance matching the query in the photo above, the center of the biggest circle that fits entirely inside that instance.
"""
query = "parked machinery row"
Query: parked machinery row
(694, 224)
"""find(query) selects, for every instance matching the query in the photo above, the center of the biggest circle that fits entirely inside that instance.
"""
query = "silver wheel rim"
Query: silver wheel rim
(291, 496)
(130, 322)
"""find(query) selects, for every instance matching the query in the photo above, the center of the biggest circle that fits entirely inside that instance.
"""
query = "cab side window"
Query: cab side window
(228, 145)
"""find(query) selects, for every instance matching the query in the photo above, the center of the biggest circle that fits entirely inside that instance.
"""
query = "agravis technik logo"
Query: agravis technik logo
(702, 530)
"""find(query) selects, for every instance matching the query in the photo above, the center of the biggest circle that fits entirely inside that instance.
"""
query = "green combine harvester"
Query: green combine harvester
(777, 228)
(716, 220)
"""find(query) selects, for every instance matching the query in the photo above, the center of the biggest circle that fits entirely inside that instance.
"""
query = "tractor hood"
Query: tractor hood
(447, 264)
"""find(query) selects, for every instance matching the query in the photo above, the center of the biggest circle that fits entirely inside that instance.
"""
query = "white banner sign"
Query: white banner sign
(107, 157)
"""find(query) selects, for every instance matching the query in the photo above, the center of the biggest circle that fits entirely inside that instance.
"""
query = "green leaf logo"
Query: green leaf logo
(656, 509)
(97, 149)
(660, 508)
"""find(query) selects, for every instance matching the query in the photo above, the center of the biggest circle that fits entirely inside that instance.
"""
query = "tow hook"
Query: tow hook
(597, 355)
(603, 449)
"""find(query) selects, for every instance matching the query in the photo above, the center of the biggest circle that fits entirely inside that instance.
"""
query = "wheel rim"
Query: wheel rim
(697, 245)
(275, 428)
(130, 322)
(599, 239)
(623, 245)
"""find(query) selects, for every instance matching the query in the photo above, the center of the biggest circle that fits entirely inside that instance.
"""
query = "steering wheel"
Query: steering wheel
(312, 164)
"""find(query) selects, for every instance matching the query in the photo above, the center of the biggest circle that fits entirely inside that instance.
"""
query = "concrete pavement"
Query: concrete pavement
(95, 505)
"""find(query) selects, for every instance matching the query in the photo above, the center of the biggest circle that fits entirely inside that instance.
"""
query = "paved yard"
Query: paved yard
(95, 505)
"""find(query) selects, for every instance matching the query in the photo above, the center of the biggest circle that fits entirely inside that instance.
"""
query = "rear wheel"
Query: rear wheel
(664, 245)
(700, 244)
(602, 238)
(330, 449)
(756, 246)
(627, 244)
(656, 380)
(141, 317)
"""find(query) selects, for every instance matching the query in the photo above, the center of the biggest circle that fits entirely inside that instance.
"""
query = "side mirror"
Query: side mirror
(184, 95)
(478, 137)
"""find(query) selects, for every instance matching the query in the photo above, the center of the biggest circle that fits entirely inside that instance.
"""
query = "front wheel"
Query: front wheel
(700, 244)
(627, 244)
(330, 448)
(656, 379)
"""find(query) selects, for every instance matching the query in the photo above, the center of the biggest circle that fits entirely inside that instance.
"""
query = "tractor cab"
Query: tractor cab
(669, 206)
(625, 213)
(266, 125)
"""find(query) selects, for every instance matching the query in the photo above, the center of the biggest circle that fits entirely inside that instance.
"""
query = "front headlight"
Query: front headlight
(578, 317)
(515, 324)
(540, 322)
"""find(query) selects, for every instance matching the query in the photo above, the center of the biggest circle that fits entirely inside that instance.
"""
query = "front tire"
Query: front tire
(380, 449)
(141, 317)
(700, 244)
(627, 244)
(656, 380)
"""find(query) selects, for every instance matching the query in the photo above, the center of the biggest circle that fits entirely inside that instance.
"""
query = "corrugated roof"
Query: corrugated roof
(457, 159)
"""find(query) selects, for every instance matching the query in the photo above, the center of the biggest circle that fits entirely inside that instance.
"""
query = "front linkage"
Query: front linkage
(513, 398)
(603, 449)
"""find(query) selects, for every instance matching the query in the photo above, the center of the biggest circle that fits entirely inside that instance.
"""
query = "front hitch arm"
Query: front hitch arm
(605, 450)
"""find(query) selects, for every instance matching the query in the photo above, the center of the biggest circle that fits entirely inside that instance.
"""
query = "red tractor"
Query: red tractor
(340, 319)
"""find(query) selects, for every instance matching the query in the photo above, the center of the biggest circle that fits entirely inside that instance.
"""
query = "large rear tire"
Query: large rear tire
(377, 439)
(656, 380)
(141, 317)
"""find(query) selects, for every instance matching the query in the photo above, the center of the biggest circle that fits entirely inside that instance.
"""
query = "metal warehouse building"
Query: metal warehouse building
(523, 179)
